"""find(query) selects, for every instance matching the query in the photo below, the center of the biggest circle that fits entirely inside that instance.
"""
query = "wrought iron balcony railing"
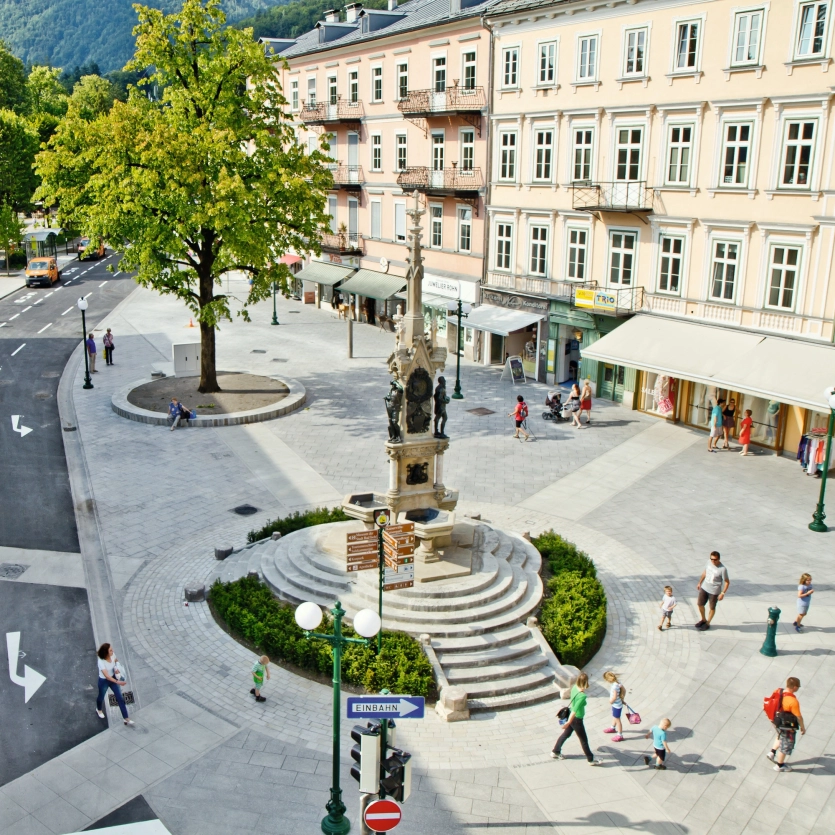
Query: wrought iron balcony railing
(326, 112)
(632, 196)
(346, 176)
(451, 181)
(452, 100)
(341, 242)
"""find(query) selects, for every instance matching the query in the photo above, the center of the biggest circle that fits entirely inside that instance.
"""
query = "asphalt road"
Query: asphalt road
(39, 329)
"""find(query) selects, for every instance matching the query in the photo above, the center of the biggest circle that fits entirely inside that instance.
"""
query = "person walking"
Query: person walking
(715, 425)
(804, 599)
(575, 404)
(259, 668)
(617, 693)
(110, 677)
(574, 723)
(710, 588)
(788, 721)
(745, 432)
(668, 603)
(728, 422)
(520, 414)
(659, 743)
(585, 402)
(91, 352)
(108, 343)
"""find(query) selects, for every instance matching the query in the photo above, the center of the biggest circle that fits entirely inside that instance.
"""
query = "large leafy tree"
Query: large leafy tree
(207, 179)
(11, 231)
(12, 81)
(18, 146)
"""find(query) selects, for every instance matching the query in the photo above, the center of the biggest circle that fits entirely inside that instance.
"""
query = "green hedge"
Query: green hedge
(251, 612)
(573, 613)
(297, 521)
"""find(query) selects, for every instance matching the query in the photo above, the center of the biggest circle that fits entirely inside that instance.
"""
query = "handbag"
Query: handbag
(563, 713)
(633, 717)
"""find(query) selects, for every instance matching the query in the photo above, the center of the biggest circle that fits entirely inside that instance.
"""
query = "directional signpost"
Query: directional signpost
(382, 815)
(386, 707)
(362, 550)
(399, 555)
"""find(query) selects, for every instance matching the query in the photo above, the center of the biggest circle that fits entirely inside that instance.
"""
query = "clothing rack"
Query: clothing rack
(811, 452)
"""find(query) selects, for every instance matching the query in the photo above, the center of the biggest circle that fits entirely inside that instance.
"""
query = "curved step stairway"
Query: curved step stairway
(477, 624)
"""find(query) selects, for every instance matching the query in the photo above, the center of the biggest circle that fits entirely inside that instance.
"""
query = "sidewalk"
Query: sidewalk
(641, 497)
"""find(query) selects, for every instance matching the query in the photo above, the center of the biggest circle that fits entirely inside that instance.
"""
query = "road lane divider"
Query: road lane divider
(68, 310)
(18, 350)
(26, 308)
(14, 317)
(38, 301)
(45, 327)
(102, 284)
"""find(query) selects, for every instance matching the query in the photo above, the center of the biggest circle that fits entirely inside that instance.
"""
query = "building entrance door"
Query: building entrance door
(611, 383)
(496, 349)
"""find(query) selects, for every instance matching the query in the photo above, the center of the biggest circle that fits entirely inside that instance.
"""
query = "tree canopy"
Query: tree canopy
(12, 81)
(208, 179)
(19, 143)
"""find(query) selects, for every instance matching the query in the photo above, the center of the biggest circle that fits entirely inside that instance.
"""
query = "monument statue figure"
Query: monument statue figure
(394, 404)
(441, 401)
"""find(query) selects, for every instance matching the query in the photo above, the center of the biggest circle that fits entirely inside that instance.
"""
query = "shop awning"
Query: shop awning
(499, 320)
(289, 260)
(374, 285)
(321, 273)
(773, 367)
(438, 302)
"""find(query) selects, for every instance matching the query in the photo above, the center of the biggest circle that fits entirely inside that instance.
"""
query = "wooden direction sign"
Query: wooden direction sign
(399, 541)
(362, 551)
(401, 577)
(404, 527)
(362, 548)
(396, 562)
(365, 565)
(362, 536)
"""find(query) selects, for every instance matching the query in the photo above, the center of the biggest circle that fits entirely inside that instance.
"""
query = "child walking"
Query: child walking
(745, 431)
(259, 668)
(616, 696)
(520, 415)
(804, 598)
(659, 743)
(668, 603)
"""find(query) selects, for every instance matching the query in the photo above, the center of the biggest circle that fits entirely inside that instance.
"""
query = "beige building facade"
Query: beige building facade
(661, 182)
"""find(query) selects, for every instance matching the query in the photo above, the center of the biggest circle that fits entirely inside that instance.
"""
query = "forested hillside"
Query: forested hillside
(295, 18)
(67, 33)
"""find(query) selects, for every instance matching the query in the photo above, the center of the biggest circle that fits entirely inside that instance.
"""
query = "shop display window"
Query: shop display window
(767, 416)
(700, 403)
(658, 395)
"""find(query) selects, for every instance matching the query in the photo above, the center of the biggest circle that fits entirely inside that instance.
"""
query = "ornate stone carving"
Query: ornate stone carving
(418, 395)
(394, 404)
(417, 473)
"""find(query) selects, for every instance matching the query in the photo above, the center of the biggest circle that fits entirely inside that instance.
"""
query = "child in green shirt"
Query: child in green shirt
(259, 668)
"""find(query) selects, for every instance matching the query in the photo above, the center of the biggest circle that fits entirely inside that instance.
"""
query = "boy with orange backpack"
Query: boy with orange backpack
(783, 709)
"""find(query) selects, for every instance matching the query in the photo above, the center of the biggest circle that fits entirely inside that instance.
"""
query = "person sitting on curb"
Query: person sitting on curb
(176, 412)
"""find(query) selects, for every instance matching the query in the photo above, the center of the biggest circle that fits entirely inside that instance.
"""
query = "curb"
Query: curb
(294, 400)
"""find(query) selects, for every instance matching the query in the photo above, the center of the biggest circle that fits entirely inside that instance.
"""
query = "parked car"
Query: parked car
(86, 249)
(42, 271)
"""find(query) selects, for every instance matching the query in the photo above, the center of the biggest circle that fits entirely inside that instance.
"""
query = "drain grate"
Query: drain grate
(258, 351)
(51, 374)
(481, 411)
(280, 359)
(11, 570)
(244, 510)
(42, 395)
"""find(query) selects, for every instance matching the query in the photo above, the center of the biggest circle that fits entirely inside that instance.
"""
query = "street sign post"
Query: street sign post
(382, 815)
(386, 707)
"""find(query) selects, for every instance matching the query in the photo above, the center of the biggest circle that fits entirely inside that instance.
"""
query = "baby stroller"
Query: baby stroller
(555, 408)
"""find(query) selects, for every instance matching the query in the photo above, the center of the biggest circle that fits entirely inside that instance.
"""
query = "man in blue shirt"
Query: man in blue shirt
(715, 425)
(91, 351)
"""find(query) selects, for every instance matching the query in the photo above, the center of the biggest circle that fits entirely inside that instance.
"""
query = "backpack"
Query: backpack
(524, 410)
(773, 707)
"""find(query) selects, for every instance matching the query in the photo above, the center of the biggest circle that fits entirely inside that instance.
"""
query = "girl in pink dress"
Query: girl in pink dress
(745, 432)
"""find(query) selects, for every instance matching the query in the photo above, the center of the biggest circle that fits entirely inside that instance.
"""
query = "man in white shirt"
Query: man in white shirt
(710, 588)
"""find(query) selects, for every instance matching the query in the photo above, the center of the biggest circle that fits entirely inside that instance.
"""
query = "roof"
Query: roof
(416, 14)
(40, 234)
(504, 7)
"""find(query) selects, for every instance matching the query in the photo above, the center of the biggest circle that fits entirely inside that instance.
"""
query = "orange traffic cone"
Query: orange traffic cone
(190, 323)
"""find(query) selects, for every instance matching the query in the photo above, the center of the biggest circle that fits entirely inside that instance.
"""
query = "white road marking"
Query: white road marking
(23, 431)
(48, 295)
(45, 327)
(39, 301)
(70, 270)
(67, 310)
(118, 272)
(102, 284)
(31, 680)
(16, 350)
(57, 289)
(26, 308)
(14, 317)
(3, 324)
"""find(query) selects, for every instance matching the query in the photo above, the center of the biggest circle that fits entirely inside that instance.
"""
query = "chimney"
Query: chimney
(454, 7)
(351, 12)
(392, 5)
(332, 16)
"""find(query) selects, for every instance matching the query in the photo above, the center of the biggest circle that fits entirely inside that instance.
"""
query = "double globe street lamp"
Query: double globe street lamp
(82, 306)
(461, 310)
(817, 524)
(366, 623)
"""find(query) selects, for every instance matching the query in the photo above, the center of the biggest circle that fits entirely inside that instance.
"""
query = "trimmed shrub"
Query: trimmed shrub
(297, 521)
(251, 612)
(573, 612)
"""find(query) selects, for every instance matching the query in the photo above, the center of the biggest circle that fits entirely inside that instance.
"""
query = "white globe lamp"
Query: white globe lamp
(367, 623)
(308, 616)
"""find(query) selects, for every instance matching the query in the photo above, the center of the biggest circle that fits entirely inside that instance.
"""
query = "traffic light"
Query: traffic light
(397, 774)
(367, 754)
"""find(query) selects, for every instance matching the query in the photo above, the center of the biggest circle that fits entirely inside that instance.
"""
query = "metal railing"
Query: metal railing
(452, 100)
(344, 242)
(633, 196)
(325, 111)
(534, 285)
(622, 301)
(346, 175)
(424, 178)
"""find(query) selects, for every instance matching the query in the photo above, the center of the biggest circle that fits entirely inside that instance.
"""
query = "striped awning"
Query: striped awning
(374, 285)
(322, 273)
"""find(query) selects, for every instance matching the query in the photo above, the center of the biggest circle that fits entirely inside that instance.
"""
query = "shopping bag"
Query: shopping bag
(633, 717)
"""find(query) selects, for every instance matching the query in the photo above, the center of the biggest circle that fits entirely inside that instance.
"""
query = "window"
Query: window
(439, 74)
(465, 229)
(353, 220)
(510, 67)
(402, 81)
(587, 59)
(401, 152)
(399, 221)
(376, 84)
(436, 230)
(725, 260)
(784, 263)
(635, 52)
(539, 250)
(543, 152)
(332, 93)
(687, 45)
(736, 152)
(312, 143)
(332, 213)
(311, 92)
(797, 157)
(294, 94)
(811, 29)
(468, 67)
(354, 86)
(376, 219)
(582, 153)
(504, 243)
(747, 35)
(622, 258)
(376, 152)
(547, 63)
(437, 152)
(507, 158)
(467, 150)
(669, 266)
(628, 154)
(577, 242)
(680, 148)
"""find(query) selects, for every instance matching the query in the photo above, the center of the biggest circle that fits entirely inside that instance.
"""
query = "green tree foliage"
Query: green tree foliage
(92, 96)
(12, 81)
(297, 521)
(19, 143)
(293, 19)
(11, 231)
(69, 78)
(206, 180)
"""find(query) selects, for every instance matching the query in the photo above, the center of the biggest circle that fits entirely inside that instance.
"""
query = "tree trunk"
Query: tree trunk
(208, 368)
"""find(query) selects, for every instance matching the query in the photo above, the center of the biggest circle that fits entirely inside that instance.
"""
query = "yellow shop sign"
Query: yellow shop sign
(594, 299)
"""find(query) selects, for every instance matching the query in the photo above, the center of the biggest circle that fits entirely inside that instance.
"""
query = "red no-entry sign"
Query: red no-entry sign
(382, 815)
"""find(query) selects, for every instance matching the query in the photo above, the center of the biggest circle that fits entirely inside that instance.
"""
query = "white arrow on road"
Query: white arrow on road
(31, 680)
(23, 431)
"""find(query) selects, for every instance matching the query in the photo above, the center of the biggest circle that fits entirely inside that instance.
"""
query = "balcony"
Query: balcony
(331, 113)
(453, 100)
(347, 177)
(536, 286)
(631, 196)
(346, 243)
(447, 182)
(620, 302)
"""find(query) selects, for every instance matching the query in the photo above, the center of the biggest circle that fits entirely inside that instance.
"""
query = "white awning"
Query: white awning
(499, 320)
(437, 302)
(788, 370)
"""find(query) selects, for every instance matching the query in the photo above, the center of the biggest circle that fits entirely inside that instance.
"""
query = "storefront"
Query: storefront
(320, 279)
(374, 294)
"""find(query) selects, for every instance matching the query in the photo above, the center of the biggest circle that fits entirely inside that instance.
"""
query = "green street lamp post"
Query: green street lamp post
(366, 623)
(461, 310)
(275, 312)
(82, 306)
(769, 647)
(817, 524)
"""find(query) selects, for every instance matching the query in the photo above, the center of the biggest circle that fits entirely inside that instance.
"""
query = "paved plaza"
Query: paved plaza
(643, 498)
